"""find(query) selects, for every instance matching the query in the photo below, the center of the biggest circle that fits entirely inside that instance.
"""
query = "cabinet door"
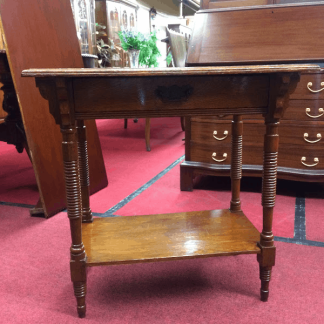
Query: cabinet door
(84, 17)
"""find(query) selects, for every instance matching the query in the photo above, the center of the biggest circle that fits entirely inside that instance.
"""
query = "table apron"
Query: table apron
(121, 97)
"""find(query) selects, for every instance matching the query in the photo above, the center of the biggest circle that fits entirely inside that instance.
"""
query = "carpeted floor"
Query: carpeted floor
(35, 283)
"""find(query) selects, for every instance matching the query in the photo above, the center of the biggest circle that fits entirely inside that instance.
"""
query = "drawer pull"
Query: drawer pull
(319, 136)
(320, 110)
(310, 84)
(316, 160)
(220, 138)
(222, 160)
(174, 93)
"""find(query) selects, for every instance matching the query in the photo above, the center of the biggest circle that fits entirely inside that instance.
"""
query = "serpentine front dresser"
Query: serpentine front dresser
(301, 153)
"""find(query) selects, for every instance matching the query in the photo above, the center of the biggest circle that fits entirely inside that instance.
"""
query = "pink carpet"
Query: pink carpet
(35, 283)
(36, 288)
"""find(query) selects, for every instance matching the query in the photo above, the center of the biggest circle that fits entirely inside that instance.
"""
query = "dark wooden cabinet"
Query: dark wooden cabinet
(214, 4)
(301, 152)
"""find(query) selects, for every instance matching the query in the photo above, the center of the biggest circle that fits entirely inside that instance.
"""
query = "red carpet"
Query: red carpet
(35, 283)
(36, 288)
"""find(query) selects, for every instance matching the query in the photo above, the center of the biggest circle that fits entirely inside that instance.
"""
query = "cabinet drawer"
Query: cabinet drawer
(212, 132)
(228, 118)
(305, 110)
(305, 134)
(221, 154)
(301, 158)
(215, 134)
(290, 156)
(311, 86)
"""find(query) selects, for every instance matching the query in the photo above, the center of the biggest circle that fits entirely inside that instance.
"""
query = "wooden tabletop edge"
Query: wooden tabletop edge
(111, 72)
(267, 6)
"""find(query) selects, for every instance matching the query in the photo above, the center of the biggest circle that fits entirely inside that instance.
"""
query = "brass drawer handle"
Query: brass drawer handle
(316, 160)
(320, 110)
(222, 160)
(309, 84)
(319, 136)
(220, 138)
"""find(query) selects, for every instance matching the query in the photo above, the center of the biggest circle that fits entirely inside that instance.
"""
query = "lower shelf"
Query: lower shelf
(166, 237)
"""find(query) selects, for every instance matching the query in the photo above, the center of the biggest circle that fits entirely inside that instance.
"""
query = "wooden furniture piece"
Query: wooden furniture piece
(302, 148)
(3, 114)
(11, 124)
(84, 18)
(217, 4)
(116, 15)
(46, 25)
(76, 94)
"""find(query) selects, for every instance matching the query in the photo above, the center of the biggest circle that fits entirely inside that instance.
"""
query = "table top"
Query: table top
(148, 72)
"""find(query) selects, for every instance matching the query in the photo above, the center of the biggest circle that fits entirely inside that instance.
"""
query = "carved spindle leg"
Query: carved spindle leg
(236, 162)
(84, 171)
(74, 207)
(269, 181)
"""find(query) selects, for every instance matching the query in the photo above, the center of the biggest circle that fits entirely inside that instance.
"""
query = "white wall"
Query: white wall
(159, 23)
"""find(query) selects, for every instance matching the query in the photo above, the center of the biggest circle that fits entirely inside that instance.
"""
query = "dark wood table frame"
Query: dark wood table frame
(78, 94)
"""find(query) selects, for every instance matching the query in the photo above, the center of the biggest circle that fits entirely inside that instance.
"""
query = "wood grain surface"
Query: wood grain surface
(187, 92)
(207, 4)
(176, 71)
(168, 237)
(291, 28)
(42, 34)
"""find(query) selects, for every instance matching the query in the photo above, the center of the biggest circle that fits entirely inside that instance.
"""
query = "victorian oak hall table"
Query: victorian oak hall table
(79, 94)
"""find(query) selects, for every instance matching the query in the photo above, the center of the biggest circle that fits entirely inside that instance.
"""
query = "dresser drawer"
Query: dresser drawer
(290, 156)
(301, 133)
(308, 134)
(217, 132)
(228, 118)
(305, 110)
(301, 158)
(211, 132)
(221, 153)
(311, 86)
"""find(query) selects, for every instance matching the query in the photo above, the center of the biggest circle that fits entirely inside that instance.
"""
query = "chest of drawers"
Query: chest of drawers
(301, 152)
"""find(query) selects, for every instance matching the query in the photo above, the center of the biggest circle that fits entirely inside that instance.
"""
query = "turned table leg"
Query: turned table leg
(84, 171)
(74, 208)
(236, 162)
(269, 181)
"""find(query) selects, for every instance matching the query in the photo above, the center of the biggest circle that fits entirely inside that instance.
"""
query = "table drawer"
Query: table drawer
(169, 96)
(311, 86)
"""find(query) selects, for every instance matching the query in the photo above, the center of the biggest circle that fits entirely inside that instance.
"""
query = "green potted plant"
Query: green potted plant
(142, 49)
